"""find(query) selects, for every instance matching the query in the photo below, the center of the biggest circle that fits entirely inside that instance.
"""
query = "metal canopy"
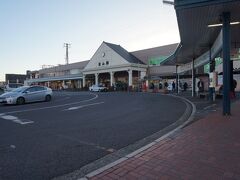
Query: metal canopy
(193, 18)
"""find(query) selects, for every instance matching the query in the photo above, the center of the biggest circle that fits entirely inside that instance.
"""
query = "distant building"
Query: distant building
(15, 78)
(2, 84)
(32, 74)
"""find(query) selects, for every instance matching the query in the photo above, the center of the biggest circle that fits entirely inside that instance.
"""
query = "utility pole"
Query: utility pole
(67, 45)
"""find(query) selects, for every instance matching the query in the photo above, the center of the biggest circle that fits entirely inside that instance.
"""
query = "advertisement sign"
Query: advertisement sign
(156, 60)
(213, 79)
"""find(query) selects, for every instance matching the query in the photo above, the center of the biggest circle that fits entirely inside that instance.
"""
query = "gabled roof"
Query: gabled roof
(145, 54)
(124, 53)
(64, 67)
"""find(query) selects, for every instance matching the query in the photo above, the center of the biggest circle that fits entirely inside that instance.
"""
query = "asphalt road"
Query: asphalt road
(49, 139)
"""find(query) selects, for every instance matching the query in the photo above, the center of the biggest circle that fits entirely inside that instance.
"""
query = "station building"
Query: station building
(111, 64)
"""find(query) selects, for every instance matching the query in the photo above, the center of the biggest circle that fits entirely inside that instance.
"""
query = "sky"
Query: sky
(33, 31)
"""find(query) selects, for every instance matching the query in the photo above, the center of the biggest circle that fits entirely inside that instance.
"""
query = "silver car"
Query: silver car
(26, 94)
(97, 88)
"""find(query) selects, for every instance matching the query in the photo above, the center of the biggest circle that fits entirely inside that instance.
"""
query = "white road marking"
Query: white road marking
(56, 106)
(210, 106)
(9, 117)
(13, 146)
(15, 119)
(79, 107)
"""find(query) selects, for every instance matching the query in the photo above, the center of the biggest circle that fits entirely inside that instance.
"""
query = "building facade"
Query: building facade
(15, 78)
(111, 64)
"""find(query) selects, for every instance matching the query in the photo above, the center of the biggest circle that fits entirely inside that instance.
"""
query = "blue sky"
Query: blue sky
(33, 31)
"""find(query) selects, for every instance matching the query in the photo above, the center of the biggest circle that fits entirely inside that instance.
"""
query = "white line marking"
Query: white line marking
(79, 107)
(13, 146)
(15, 119)
(49, 107)
(210, 106)
(9, 117)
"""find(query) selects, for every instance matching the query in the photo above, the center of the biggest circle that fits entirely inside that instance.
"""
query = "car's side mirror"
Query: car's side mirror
(26, 92)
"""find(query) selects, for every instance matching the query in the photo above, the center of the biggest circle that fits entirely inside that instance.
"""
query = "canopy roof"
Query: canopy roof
(193, 18)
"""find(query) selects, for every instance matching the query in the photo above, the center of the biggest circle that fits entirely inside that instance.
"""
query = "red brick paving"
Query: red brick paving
(206, 149)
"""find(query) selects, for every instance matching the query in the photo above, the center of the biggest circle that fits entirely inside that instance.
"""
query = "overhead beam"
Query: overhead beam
(199, 3)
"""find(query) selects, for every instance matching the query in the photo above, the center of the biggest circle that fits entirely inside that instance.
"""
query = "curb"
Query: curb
(120, 158)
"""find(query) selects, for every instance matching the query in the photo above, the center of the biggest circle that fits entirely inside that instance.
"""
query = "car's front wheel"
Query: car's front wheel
(20, 100)
(48, 98)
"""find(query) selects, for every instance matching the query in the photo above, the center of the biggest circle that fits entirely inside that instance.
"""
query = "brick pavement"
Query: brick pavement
(206, 149)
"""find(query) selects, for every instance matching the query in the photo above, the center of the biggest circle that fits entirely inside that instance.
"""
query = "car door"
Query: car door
(95, 88)
(30, 94)
(41, 93)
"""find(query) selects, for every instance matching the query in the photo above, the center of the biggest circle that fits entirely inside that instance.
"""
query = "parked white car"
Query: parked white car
(97, 88)
(26, 94)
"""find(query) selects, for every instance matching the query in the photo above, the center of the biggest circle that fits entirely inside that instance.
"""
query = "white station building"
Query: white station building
(109, 65)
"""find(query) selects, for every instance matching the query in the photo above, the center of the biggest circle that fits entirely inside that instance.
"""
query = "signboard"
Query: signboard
(218, 61)
(213, 79)
(156, 60)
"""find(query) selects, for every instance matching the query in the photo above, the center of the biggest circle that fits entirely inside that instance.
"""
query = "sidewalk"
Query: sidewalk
(206, 149)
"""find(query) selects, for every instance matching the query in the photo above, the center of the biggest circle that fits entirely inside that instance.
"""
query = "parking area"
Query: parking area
(49, 139)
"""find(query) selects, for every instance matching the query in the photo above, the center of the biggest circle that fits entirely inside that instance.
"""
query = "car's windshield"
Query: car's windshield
(20, 89)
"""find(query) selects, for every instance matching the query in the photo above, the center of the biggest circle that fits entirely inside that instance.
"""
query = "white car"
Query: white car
(97, 88)
(26, 94)
(11, 86)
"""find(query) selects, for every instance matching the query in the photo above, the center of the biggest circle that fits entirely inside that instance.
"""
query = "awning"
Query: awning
(193, 18)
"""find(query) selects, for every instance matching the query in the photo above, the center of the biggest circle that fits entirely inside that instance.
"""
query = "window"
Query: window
(31, 89)
(99, 64)
(107, 62)
(39, 88)
(103, 64)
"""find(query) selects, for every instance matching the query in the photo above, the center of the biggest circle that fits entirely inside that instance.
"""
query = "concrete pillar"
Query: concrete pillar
(178, 84)
(142, 74)
(48, 84)
(96, 78)
(176, 79)
(193, 80)
(211, 70)
(80, 84)
(226, 63)
(84, 82)
(112, 80)
(129, 77)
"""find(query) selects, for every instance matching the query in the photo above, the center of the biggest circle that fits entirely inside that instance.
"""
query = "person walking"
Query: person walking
(166, 85)
(185, 86)
(173, 86)
(200, 86)
(234, 85)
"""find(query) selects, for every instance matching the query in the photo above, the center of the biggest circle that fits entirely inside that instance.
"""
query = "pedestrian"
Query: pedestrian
(185, 86)
(173, 86)
(166, 85)
(234, 85)
(152, 86)
(160, 85)
(200, 86)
